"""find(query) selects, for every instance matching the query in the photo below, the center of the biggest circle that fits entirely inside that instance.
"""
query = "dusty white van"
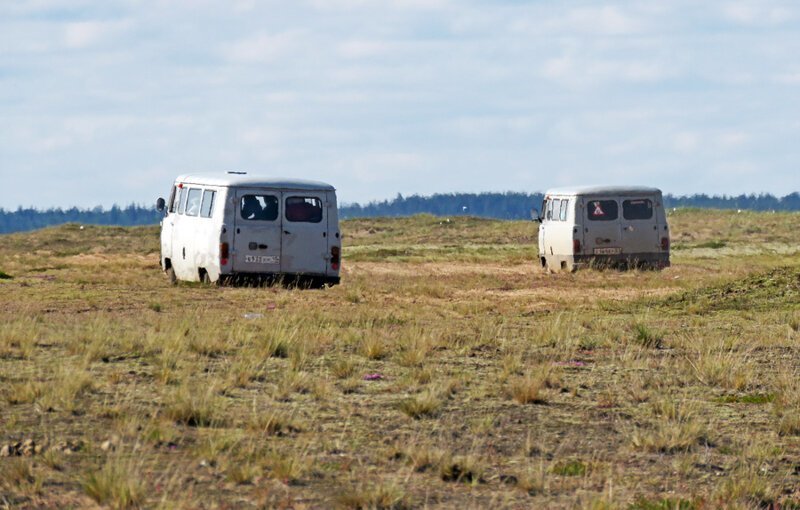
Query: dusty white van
(607, 226)
(235, 226)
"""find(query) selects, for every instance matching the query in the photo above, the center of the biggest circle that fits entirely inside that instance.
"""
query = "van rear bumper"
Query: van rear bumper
(292, 279)
(653, 260)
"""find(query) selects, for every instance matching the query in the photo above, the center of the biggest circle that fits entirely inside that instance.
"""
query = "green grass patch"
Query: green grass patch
(714, 244)
(570, 468)
(751, 398)
(663, 504)
(5, 276)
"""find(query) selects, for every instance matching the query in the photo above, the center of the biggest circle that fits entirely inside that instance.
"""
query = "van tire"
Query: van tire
(170, 272)
(205, 278)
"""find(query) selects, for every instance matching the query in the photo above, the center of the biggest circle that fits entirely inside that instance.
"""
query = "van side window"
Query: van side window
(182, 203)
(304, 209)
(259, 207)
(640, 209)
(172, 202)
(193, 202)
(603, 210)
(207, 207)
(563, 214)
(556, 208)
(549, 215)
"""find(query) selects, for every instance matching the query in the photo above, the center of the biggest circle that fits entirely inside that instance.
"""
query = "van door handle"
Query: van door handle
(287, 232)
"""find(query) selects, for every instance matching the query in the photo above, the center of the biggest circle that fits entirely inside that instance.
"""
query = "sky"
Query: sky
(105, 102)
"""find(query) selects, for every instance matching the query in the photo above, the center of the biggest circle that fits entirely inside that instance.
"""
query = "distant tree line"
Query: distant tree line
(23, 219)
(506, 206)
(516, 206)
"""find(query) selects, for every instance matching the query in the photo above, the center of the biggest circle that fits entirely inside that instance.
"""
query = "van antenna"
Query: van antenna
(236, 173)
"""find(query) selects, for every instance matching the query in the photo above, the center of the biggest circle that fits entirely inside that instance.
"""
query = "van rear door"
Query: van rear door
(305, 232)
(257, 231)
(639, 225)
(602, 235)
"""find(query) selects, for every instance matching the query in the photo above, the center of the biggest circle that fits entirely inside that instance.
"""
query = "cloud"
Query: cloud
(758, 13)
(585, 71)
(581, 21)
(264, 47)
(398, 95)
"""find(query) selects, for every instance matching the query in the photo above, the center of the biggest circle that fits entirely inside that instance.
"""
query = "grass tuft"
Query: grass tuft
(647, 337)
(378, 496)
(569, 468)
(116, 485)
(195, 407)
(426, 404)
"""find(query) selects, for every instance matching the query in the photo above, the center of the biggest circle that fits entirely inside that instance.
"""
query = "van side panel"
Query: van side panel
(195, 246)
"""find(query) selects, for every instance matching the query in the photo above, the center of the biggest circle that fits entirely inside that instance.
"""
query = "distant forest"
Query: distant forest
(507, 206)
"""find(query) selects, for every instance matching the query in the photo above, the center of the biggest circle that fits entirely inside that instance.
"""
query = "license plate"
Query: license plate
(261, 259)
(607, 251)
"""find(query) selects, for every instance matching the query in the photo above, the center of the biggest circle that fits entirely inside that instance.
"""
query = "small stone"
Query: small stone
(28, 447)
(108, 445)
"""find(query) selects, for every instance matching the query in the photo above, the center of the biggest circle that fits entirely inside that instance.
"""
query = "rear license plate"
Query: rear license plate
(607, 251)
(261, 259)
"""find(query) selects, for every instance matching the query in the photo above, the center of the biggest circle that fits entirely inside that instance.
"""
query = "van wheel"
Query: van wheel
(170, 272)
(205, 279)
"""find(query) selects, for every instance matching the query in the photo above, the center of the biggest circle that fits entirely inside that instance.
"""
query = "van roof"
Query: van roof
(604, 190)
(254, 181)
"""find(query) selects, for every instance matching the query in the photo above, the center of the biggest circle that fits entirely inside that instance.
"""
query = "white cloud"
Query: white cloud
(363, 48)
(264, 47)
(791, 78)
(686, 142)
(757, 13)
(581, 21)
(411, 96)
(585, 71)
(84, 34)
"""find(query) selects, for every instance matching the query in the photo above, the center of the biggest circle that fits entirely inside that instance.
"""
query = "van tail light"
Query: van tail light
(223, 254)
(665, 243)
(335, 257)
(576, 246)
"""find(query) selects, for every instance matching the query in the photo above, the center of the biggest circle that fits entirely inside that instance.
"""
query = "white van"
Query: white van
(235, 226)
(607, 226)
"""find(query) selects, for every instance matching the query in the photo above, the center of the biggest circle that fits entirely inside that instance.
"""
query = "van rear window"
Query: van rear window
(259, 207)
(304, 209)
(639, 209)
(602, 210)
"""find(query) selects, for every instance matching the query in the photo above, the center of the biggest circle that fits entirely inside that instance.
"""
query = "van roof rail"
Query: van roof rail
(236, 173)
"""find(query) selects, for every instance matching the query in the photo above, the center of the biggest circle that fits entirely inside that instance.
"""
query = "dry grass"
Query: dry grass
(447, 370)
